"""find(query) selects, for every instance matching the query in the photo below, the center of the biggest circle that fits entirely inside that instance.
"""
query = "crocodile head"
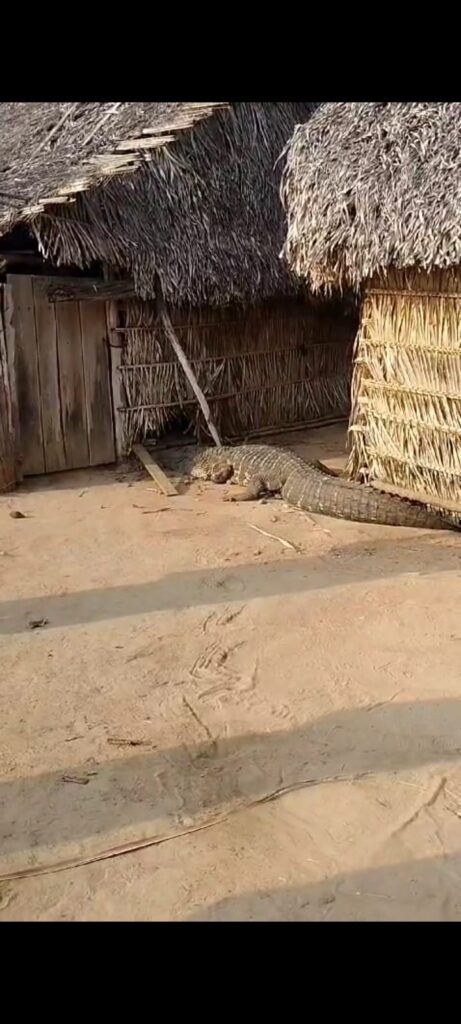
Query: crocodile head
(210, 464)
(204, 465)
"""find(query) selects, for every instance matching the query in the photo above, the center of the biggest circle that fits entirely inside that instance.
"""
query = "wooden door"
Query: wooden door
(63, 380)
(8, 427)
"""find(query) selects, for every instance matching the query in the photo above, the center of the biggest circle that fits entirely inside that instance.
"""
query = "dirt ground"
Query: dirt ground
(285, 721)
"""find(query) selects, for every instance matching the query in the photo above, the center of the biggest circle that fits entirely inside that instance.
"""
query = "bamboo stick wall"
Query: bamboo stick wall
(269, 366)
(405, 425)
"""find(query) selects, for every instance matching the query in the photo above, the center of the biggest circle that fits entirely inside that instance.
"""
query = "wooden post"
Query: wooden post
(115, 356)
(115, 359)
(183, 360)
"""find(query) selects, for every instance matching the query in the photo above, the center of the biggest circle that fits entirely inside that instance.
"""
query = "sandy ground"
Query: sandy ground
(294, 715)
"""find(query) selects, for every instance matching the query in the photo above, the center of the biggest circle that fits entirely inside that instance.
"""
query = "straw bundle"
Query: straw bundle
(405, 425)
(272, 365)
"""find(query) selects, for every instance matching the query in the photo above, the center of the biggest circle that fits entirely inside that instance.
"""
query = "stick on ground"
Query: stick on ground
(273, 536)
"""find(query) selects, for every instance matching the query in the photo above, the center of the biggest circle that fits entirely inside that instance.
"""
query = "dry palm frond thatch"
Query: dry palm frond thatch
(369, 186)
(186, 191)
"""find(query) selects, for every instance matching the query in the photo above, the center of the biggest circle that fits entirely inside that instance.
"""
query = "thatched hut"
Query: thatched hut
(372, 193)
(170, 206)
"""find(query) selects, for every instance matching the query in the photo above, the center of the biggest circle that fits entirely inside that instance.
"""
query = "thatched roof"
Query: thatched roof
(186, 191)
(368, 186)
(50, 151)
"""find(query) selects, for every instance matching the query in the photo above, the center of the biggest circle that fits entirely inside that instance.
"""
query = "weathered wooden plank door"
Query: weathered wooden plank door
(8, 465)
(63, 380)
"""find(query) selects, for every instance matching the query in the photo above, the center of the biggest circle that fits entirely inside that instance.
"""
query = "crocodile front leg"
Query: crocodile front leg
(252, 492)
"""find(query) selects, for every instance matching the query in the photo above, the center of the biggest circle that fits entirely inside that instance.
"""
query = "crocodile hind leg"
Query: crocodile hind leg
(252, 492)
(325, 469)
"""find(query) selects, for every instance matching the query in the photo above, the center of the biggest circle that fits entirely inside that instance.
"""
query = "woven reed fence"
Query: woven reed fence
(405, 425)
(276, 365)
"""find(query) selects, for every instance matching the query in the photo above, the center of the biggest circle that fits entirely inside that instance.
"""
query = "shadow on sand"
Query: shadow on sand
(362, 562)
(196, 782)
(422, 890)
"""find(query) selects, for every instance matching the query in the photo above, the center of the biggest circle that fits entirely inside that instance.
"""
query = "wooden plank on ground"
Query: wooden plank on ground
(72, 385)
(27, 375)
(53, 438)
(154, 470)
(444, 504)
(97, 383)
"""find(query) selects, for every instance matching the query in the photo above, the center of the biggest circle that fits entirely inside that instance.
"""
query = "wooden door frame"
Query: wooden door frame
(9, 419)
(94, 402)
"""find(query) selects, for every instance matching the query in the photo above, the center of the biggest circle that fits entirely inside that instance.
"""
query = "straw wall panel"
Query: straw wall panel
(405, 425)
(274, 365)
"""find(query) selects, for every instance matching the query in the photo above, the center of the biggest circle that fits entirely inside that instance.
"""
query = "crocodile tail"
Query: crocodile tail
(365, 504)
(345, 500)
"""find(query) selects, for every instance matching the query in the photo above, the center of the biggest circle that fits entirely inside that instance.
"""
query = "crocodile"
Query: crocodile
(309, 486)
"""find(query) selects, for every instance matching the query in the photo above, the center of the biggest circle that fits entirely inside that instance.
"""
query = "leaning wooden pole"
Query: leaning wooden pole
(182, 358)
